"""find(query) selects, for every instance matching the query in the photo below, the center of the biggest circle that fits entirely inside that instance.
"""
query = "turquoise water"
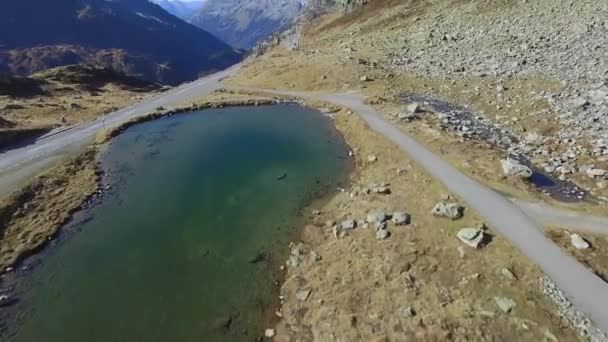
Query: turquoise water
(185, 246)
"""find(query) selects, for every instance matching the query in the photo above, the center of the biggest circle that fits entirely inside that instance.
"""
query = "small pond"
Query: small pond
(185, 246)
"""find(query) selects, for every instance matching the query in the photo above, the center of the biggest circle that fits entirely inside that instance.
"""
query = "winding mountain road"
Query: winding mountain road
(19, 165)
(584, 289)
(588, 292)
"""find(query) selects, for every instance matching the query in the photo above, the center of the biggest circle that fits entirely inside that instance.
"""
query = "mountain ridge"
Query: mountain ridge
(243, 23)
(150, 42)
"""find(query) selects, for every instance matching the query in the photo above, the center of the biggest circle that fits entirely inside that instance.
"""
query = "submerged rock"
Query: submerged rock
(450, 210)
(471, 236)
(512, 167)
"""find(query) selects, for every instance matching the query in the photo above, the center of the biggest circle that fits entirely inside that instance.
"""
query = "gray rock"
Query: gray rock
(383, 190)
(473, 237)
(578, 242)
(512, 167)
(303, 294)
(382, 234)
(592, 173)
(407, 116)
(449, 210)
(505, 304)
(4, 300)
(376, 217)
(508, 273)
(401, 218)
(413, 108)
(348, 224)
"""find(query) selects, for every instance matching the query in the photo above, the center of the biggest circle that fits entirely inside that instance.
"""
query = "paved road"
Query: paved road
(587, 292)
(547, 215)
(17, 166)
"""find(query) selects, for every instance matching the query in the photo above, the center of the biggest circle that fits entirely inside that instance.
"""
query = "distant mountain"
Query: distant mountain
(243, 23)
(180, 9)
(136, 37)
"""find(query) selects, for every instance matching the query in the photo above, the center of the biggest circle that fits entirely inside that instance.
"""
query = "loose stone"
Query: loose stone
(376, 217)
(578, 242)
(512, 167)
(449, 210)
(401, 218)
(303, 295)
(348, 224)
(473, 237)
(505, 304)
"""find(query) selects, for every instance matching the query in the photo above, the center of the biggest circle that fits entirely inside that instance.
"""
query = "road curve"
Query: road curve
(20, 164)
(560, 218)
(587, 291)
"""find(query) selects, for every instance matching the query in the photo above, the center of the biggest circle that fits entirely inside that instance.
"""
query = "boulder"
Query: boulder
(4, 300)
(348, 224)
(505, 304)
(405, 116)
(383, 190)
(303, 295)
(512, 167)
(376, 217)
(372, 158)
(413, 108)
(508, 273)
(592, 173)
(472, 237)
(382, 233)
(453, 211)
(578, 242)
(401, 218)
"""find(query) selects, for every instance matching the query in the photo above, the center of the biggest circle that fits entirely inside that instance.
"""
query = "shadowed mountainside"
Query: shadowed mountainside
(136, 37)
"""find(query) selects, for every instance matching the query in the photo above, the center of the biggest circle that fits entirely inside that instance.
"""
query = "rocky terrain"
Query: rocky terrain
(180, 9)
(243, 23)
(136, 37)
(512, 93)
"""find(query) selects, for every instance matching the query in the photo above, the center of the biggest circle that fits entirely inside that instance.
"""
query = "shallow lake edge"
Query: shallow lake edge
(92, 192)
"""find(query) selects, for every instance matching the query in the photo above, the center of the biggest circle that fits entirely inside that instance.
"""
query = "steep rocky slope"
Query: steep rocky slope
(243, 23)
(133, 36)
(180, 9)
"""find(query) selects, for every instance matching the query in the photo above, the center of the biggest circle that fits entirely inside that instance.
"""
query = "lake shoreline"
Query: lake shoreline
(91, 189)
